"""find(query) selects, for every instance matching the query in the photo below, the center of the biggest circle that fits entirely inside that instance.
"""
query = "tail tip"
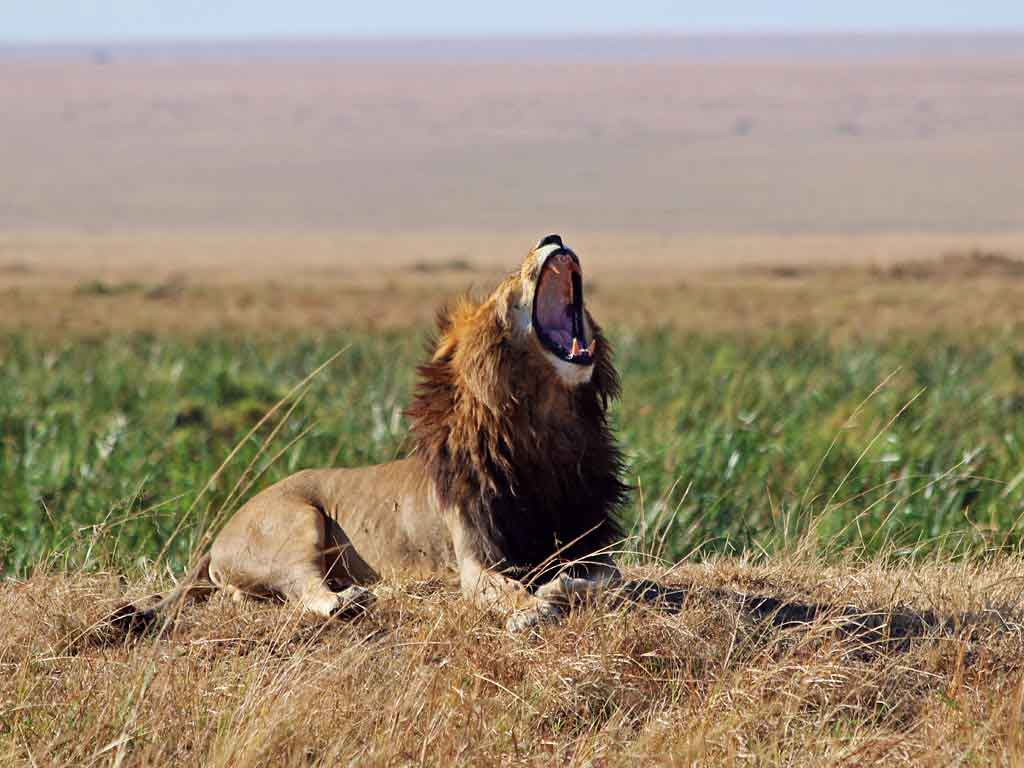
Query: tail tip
(132, 620)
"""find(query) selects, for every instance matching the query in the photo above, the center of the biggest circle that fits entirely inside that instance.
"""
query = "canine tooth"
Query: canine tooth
(575, 347)
(592, 348)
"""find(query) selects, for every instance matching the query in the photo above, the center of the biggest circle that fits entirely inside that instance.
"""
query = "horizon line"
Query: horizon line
(705, 33)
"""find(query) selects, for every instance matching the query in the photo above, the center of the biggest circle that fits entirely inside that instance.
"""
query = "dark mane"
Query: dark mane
(532, 468)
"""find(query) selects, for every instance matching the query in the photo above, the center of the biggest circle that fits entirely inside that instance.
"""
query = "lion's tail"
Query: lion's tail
(197, 585)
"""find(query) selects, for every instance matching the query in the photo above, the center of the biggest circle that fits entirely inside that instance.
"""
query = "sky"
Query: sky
(55, 21)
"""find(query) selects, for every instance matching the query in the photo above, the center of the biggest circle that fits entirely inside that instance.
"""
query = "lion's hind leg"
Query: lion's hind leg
(315, 596)
(287, 546)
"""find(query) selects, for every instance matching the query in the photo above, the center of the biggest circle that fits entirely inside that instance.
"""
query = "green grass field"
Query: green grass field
(901, 446)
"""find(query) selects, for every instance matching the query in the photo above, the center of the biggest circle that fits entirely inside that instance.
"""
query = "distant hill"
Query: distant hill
(732, 134)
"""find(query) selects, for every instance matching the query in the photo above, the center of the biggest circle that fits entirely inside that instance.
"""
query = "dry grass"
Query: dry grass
(425, 679)
(193, 284)
(840, 303)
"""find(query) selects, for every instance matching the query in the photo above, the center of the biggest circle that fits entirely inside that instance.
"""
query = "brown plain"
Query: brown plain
(276, 189)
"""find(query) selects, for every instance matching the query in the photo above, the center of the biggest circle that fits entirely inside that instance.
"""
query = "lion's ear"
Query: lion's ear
(505, 300)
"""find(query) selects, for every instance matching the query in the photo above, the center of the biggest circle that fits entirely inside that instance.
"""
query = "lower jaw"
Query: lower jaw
(577, 356)
(572, 374)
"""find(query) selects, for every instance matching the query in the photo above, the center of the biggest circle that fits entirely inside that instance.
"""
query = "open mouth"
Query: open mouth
(558, 309)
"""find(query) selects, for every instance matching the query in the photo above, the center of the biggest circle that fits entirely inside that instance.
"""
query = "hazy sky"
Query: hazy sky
(70, 20)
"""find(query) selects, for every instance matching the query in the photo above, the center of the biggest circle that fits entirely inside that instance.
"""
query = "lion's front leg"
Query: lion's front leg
(557, 596)
(549, 603)
(493, 591)
(591, 578)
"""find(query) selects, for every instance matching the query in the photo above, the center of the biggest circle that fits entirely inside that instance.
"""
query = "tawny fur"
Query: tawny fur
(514, 483)
(528, 462)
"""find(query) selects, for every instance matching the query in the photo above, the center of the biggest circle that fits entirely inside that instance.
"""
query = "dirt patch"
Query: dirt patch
(973, 264)
(449, 265)
(15, 268)
(967, 265)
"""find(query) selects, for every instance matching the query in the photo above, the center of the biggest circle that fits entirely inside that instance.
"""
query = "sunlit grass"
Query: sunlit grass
(733, 442)
(862, 469)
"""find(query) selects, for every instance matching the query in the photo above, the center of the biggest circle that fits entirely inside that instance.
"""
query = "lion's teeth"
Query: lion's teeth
(576, 349)
(592, 348)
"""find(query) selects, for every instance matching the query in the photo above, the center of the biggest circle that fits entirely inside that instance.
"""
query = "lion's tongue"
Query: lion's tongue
(553, 306)
(562, 338)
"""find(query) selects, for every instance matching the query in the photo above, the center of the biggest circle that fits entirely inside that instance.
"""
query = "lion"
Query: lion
(513, 480)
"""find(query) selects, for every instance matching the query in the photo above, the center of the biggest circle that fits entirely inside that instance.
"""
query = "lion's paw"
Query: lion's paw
(544, 613)
(354, 601)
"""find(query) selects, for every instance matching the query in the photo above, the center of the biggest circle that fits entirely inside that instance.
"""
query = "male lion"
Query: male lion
(514, 480)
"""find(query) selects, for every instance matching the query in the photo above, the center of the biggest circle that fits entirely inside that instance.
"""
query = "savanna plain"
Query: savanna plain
(824, 434)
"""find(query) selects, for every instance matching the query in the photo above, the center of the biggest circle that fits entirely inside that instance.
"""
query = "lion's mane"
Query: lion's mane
(530, 465)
